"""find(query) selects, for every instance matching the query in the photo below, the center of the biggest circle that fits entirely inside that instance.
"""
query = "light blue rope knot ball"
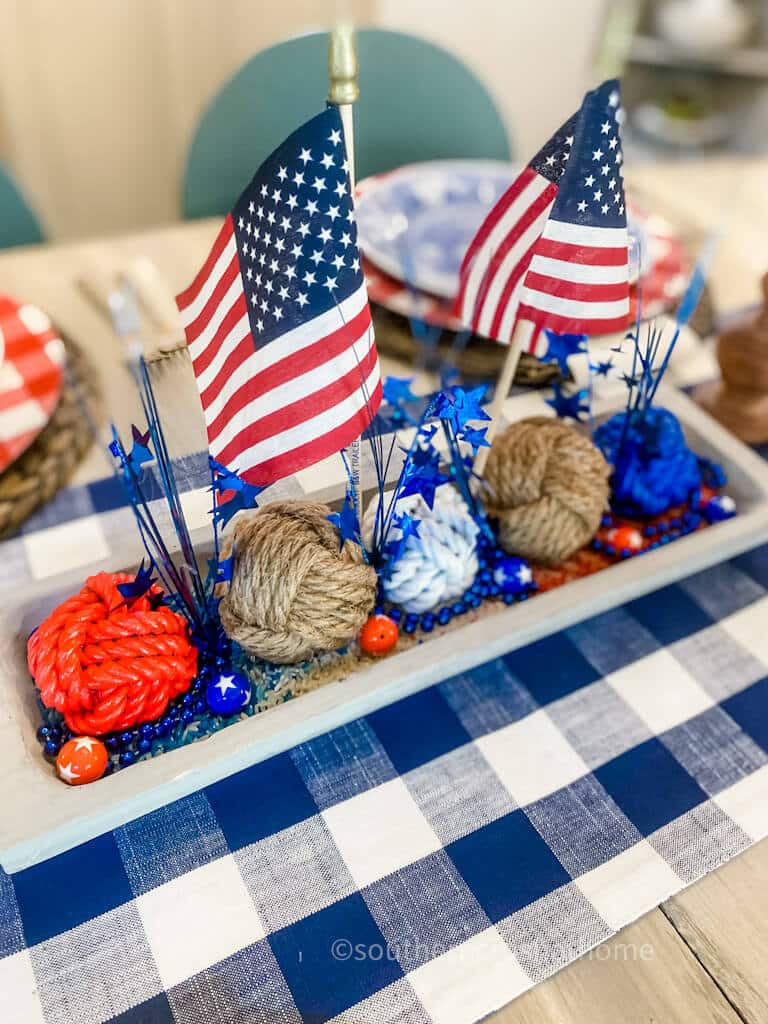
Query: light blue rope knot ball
(653, 467)
(441, 563)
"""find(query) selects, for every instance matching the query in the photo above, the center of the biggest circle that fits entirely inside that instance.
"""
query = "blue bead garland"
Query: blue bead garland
(126, 747)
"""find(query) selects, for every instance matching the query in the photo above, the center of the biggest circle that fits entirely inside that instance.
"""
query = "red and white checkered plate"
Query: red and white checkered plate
(31, 376)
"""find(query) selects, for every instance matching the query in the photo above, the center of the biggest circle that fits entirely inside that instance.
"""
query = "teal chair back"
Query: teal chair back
(18, 224)
(417, 102)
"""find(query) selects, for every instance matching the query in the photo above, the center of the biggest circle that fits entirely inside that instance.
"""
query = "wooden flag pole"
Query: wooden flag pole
(342, 93)
(521, 332)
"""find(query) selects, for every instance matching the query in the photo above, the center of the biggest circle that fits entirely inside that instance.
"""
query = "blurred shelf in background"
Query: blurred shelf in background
(745, 62)
(694, 74)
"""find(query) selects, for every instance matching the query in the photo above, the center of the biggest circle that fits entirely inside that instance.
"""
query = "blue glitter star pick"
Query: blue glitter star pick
(140, 453)
(409, 527)
(569, 406)
(602, 369)
(469, 404)
(397, 390)
(224, 479)
(458, 407)
(243, 495)
(139, 586)
(225, 568)
(224, 511)
(346, 521)
(561, 346)
(630, 380)
(420, 457)
(475, 438)
(423, 480)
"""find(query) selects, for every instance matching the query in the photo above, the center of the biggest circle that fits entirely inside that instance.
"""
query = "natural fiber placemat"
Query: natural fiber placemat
(48, 463)
(481, 358)
(478, 358)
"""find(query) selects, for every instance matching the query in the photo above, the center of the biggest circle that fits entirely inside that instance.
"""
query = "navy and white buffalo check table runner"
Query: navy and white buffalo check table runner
(435, 859)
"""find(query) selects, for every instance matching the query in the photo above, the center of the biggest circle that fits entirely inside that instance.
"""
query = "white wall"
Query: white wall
(534, 55)
(99, 98)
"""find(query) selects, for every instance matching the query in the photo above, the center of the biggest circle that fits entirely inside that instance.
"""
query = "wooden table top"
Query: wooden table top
(702, 955)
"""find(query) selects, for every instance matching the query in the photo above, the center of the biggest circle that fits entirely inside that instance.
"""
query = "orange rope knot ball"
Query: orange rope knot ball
(108, 665)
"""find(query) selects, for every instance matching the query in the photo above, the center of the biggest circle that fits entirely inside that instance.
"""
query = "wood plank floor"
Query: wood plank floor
(701, 957)
(645, 974)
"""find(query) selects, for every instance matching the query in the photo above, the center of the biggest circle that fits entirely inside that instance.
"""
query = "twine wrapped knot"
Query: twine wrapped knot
(439, 564)
(548, 488)
(106, 664)
(293, 592)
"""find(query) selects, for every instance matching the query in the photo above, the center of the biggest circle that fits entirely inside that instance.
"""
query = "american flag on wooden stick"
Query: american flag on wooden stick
(553, 251)
(277, 320)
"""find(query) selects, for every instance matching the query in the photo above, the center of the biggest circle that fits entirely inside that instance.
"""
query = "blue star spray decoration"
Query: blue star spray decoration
(225, 568)
(409, 527)
(602, 368)
(560, 347)
(421, 472)
(424, 481)
(397, 393)
(631, 380)
(397, 390)
(569, 406)
(346, 521)
(475, 438)
(138, 586)
(225, 481)
(140, 453)
(457, 407)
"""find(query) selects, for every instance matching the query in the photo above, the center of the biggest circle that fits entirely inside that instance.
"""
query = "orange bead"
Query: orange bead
(82, 759)
(625, 538)
(378, 635)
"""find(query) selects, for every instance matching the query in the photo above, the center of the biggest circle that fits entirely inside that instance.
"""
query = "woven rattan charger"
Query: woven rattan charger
(482, 359)
(478, 359)
(48, 463)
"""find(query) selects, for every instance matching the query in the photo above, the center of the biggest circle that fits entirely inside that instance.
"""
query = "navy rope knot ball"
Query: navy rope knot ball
(653, 467)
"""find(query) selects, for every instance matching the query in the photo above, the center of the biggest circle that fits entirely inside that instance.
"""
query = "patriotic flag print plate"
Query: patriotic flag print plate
(277, 321)
(31, 361)
(662, 286)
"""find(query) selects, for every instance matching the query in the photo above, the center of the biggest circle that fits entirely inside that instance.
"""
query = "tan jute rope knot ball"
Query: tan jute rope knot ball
(293, 592)
(548, 488)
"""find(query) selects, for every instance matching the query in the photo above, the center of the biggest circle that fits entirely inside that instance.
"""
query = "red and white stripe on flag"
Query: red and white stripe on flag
(494, 266)
(577, 280)
(553, 251)
(274, 409)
